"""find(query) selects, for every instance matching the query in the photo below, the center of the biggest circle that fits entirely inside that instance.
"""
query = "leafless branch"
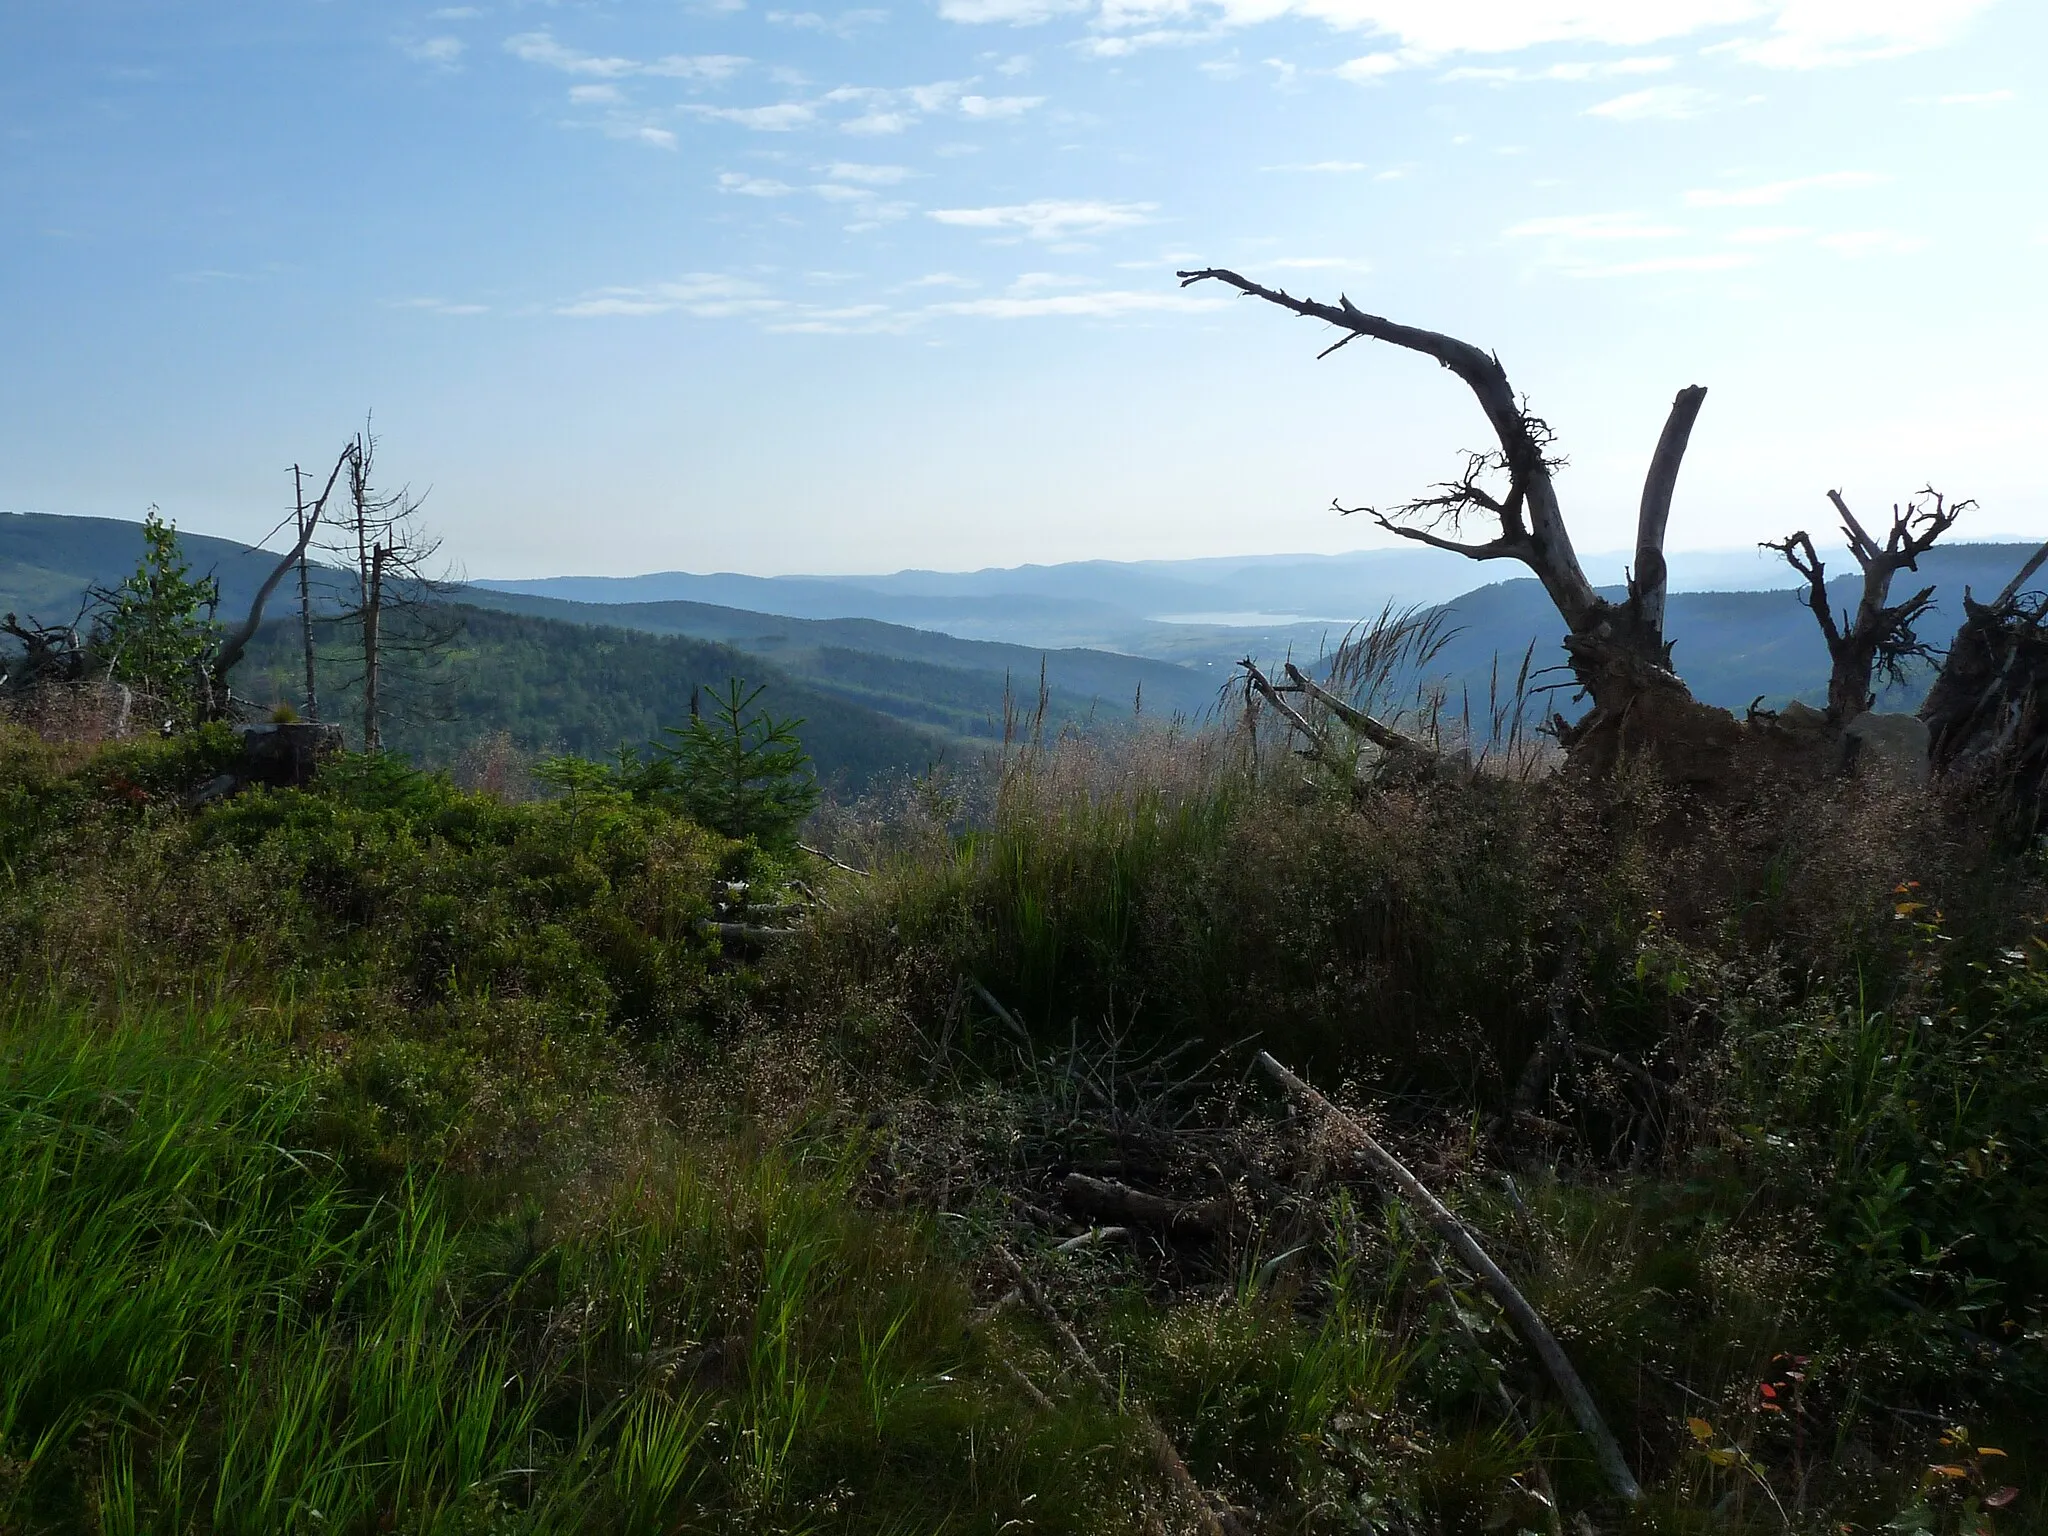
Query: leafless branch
(1465, 1243)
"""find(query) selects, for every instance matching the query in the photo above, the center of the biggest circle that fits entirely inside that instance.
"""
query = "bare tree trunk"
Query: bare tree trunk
(1618, 650)
(373, 603)
(305, 599)
(1879, 635)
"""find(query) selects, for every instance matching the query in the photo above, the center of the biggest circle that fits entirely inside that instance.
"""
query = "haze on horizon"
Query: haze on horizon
(727, 286)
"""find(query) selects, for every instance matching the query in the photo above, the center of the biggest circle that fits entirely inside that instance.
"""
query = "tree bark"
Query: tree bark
(373, 604)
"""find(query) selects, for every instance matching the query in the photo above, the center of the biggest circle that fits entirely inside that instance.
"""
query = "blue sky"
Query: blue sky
(737, 285)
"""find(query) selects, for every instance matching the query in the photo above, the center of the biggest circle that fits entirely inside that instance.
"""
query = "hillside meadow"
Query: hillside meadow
(387, 1156)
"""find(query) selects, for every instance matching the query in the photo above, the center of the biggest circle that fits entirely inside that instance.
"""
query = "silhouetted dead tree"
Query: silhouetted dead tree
(1618, 650)
(231, 649)
(1878, 639)
(1987, 711)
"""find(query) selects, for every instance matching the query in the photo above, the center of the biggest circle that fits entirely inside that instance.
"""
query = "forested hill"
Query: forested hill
(1081, 680)
(557, 687)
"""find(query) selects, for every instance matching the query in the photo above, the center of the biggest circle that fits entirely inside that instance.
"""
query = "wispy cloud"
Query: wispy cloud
(1707, 261)
(706, 295)
(1772, 193)
(776, 117)
(1873, 242)
(844, 24)
(1050, 219)
(541, 48)
(998, 106)
(1792, 34)
(1658, 101)
(442, 51)
(1016, 13)
(1593, 226)
(869, 175)
(441, 307)
(1108, 304)
(1570, 70)
(1824, 34)
(753, 186)
(1966, 99)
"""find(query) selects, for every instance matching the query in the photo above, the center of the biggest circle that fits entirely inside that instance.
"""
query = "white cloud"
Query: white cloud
(1123, 44)
(1873, 242)
(1319, 264)
(596, 95)
(780, 117)
(1659, 101)
(455, 13)
(542, 49)
(1570, 70)
(706, 295)
(1813, 34)
(1106, 305)
(942, 280)
(1323, 167)
(752, 186)
(1039, 282)
(1794, 34)
(1374, 66)
(869, 175)
(1018, 13)
(1767, 234)
(442, 307)
(1772, 193)
(878, 124)
(435, 50)
(1712, 261)
(1050, 219)
(1015, 64)
(1966, 99)
(845, 24)
(989, 107)
(660, 138)
(1593, 226)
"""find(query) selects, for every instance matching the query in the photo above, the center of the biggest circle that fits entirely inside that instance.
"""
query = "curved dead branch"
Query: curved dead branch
(1527, 1320)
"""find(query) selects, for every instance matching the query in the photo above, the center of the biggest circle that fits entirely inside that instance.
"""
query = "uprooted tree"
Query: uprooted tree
(1617, 650)
(1878, 638)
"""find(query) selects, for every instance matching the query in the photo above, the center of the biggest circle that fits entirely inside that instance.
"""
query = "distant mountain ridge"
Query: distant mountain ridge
(946, 665)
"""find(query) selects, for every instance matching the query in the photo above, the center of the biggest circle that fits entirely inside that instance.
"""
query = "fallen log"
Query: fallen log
(1121, 1204)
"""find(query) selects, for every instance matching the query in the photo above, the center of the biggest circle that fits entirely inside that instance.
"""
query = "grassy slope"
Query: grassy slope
(486, 1191)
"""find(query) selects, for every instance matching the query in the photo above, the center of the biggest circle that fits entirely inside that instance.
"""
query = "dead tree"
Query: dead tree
(390, 601)
(306, 595)
(1878, 639)
(1987, 710)
(232, 647)
(1617, 650)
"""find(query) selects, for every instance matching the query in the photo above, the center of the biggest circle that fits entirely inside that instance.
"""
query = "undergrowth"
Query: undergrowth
(384, 1156)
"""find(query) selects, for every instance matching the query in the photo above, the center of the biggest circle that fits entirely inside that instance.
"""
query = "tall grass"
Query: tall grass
(205, 1326)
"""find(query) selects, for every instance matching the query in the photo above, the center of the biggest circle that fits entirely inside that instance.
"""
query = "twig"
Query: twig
(1093, 1237)
(819, 853)
(1164, 1455)
(1030, 1388)
(1528, 1322)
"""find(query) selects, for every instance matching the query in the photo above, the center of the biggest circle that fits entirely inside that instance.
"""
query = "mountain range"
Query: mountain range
(922, 663)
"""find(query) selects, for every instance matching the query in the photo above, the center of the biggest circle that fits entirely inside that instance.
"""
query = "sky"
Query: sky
(719, 285)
